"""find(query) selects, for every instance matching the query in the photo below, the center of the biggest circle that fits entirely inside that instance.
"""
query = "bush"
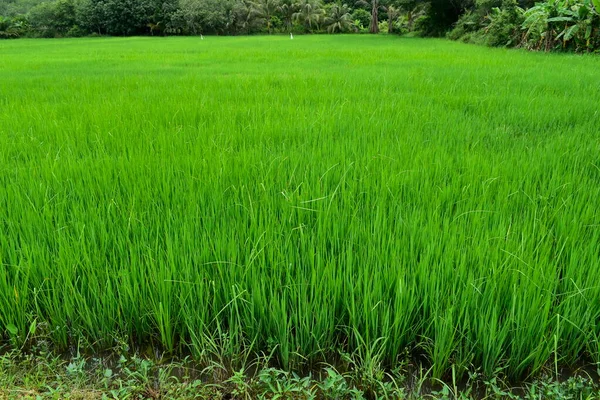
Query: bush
(504, 25)
(363, 17)
(467, 24)
(424, 26)
(493, 26)
(277, 24)
(12, 28)
(76, 31)
(400, 28)
(383, 26)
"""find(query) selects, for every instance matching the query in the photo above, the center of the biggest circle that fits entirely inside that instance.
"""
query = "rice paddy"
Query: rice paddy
(375, 196)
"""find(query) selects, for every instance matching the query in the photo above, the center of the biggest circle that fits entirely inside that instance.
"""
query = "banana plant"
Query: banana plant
(577, 23)
(10, 29)
(563, 23)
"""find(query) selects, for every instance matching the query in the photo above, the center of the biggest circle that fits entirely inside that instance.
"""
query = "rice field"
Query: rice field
(376, 196)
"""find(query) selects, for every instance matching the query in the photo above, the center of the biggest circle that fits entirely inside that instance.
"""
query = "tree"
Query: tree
(206, 16)
(310, 13)
(374, 5)
(266, 10)
(288, 8)
(52, 19)
(118, 17)
(393, 14)
(339, 18)
(13, 8)
(442, 14)
(361, 18)
(91, 16)
(411, 11)
(246, 17)
(160, 20)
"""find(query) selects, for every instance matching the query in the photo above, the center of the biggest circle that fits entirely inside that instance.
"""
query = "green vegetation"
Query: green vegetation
(307, 199)
(551, 25)
(70, 18)
(546, 25)
(46, 376)
(12, 8)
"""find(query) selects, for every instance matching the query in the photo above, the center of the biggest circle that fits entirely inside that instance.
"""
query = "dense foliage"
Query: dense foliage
(550, 25)
(545, 25)
(60, 18)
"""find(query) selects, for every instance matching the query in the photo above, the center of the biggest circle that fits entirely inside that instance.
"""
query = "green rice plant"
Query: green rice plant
(260, 196)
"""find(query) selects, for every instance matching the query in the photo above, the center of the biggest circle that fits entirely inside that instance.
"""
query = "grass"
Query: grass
(45, 376)
(306, 199)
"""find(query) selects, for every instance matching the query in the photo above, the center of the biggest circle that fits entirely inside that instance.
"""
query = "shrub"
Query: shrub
(490, 24)
(470, 22)
(383, 26)
(504, 24)
(76, 31)
(363, 17)
(12, 28)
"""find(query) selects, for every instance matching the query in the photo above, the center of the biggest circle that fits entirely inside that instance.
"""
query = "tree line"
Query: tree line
(68, 18)
(543, 25)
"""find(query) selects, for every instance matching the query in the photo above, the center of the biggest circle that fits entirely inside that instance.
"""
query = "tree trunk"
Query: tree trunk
(374, 17)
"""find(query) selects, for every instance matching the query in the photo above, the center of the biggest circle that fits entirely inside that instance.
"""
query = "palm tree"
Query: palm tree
(266, 9)
(339, 19)
(287, 9)
(309, 13)
(374, 5)
(393, 14)
(246, 16)
(412, 13)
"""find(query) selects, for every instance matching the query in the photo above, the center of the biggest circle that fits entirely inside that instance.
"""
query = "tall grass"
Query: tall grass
(302, 197)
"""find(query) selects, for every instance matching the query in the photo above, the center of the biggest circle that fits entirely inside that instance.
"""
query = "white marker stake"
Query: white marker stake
(201, 37)
(291, 36)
